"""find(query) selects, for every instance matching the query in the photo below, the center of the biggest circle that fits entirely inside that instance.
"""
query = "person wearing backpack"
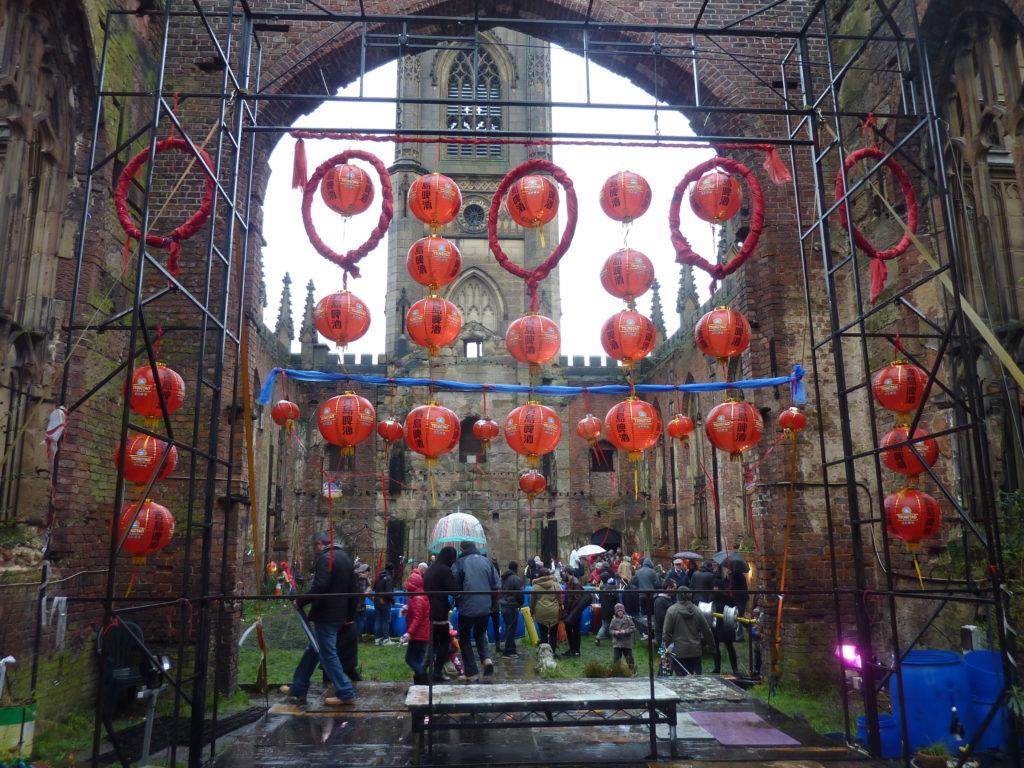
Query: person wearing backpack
(383, 599)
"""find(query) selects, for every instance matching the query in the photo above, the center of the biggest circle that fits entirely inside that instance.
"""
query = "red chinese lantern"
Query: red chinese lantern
(625, 196)
(716, 197)
(485, 430)
(151, 531)
(912, 516)
(144, 399)
(342, 317)
(533, 339)
(533, 430)
(143, 454)
(633, 425)
(734, 426)
(347, 189)
(589, 428)
(627, 274)
(792, 420)
(432, 430)
(390, 430)
(532, 201)
(434, 261)
(346, 420)
(532, 483)
(901, 459)
(722, 333)
(628, 336)
(435, 200)
(433, 323)
(680, 428)
(284, 413)
(900, 387)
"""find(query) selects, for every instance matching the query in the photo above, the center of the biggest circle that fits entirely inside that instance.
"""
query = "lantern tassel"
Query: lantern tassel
(299, 167)
(636, 483)
(917, 567)
(131, 582)
(433, 489)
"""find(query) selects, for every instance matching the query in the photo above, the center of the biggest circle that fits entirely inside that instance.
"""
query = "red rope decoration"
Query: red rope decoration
(879, 272)
(173, 240)
(684, 253)
(533, 277)
(387, 210)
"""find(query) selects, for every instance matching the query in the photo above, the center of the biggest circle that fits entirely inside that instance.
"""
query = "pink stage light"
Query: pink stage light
(849, 655)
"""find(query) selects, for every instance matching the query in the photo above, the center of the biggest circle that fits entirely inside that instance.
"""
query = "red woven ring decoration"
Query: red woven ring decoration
(906, 187)
(534, 276)
(387, 210)
(172, 241)
(684, 253)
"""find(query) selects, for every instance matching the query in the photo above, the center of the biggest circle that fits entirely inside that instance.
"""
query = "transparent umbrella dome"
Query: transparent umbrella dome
(455, 528)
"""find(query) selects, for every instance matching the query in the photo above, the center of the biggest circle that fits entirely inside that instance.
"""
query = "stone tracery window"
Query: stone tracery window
(473, 84)
(477, 302)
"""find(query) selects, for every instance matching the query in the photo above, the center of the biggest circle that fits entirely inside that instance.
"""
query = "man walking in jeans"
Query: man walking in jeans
(474, 573)
(333, 573)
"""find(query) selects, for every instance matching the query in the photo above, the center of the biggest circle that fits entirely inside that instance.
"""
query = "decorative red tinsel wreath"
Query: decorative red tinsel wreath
(879, 272)
(387, 210)
(684, 253)
(173, 240)
(534, 276)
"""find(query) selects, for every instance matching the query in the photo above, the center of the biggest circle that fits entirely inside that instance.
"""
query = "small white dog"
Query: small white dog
(545, 659)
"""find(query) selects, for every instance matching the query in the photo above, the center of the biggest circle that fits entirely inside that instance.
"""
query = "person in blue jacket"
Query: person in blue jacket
(474, 573)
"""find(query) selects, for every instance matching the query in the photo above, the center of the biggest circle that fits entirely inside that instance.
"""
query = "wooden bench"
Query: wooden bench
(541, 703)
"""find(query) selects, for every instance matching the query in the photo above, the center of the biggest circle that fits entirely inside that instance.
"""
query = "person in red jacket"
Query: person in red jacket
(417, 632)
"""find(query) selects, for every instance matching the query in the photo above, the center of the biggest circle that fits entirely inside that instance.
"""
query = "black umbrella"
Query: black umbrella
(736, 562)
(687, 556)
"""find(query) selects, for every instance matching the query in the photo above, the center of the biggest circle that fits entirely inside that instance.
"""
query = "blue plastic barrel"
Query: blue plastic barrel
(984, 672)
(889, 733)
(933, 682)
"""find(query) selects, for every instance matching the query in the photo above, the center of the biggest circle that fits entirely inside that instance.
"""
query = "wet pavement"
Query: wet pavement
(719, 726)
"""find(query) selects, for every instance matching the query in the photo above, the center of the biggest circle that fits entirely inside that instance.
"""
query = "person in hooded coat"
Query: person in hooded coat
(704, 581)
(545, 608)
(684, 632)
(662, 602)
(646, 578)
(440, 581)
(417, 633)
(383, 599)
(622, 630)
(575, 600)
(608, 596)
(474, 573)
(511, 601)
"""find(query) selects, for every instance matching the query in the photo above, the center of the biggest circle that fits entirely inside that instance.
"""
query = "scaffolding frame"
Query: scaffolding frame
(817, 133)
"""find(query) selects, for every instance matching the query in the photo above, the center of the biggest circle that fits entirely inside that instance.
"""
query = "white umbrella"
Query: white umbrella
(590, 549)
(456, 527)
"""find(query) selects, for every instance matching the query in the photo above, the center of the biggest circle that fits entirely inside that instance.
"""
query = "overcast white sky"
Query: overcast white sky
(585, 305)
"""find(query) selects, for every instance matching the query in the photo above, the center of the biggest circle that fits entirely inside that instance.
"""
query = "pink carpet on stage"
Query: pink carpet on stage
(742, 729)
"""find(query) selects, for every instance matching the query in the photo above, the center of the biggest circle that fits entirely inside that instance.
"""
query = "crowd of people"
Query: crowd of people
(631, 595)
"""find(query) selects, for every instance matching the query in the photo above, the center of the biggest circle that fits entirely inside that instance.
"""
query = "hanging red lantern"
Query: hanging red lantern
(485, 430)
(627, 274)
(432, 430)
(625, 196)
(901, 459)
(628, 336)
(284, 413)
(144, 398)
(900, 387)
(792, 420)
(390, 430)
(342, 317)
(435, 200)
(143, 454)
(433, 323)
(722, 333)
(532, 430)
(680, 428)
(532, 483)
(533, 339)
(734, 426)
(149, 533)
(532, 201)
(346, 420)
(633, 425)
(434, 261)
(912, 515)
(347, 189)
(716, 197)
(589, 428)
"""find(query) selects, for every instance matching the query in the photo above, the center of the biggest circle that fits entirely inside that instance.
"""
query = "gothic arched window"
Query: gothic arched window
(473, 83)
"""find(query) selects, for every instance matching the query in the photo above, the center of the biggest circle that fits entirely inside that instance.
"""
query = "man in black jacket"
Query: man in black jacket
(439, 583)
(510, 602)
(333, 573)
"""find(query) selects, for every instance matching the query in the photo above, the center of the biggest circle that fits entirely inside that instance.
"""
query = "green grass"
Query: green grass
(819, 708)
